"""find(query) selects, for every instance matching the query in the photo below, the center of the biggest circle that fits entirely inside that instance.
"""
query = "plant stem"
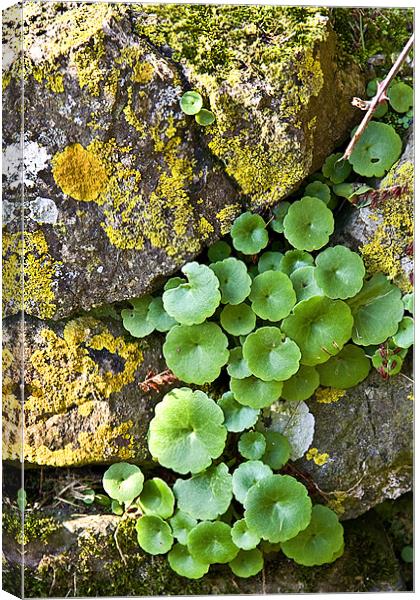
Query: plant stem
(379, 97)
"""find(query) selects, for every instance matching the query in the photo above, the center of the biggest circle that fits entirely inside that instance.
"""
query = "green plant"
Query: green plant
(376, 151)
(308, 224)
(191, 104)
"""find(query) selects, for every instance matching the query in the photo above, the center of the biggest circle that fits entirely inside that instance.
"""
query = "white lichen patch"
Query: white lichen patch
(8, 212)
(43, 210)
(23, 166)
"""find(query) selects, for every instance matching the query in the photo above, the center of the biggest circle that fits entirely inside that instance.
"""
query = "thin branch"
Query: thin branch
(371, 105)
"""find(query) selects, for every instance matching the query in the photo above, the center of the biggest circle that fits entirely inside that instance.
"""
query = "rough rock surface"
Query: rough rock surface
(83, 403)
(383, 231)
(120, 187)
(368, 435)
(77, 556)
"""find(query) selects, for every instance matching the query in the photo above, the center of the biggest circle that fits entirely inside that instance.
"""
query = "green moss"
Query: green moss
(37, 528)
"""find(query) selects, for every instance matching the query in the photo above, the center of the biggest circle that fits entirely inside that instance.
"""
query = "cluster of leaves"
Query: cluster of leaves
(192, 104)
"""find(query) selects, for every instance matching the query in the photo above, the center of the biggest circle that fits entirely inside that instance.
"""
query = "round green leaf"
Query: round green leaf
(320, 190)
(237, 366)
(319, 542)
(206, 495)
(272, 295)
(401, 97)
(136, 320)
(277, 451)
(187, 431)
(270, 356)
(237, 416)
(205, 117)
(251, 445)
(294, 260)
(377, 310)
(308, 224)
(339, 272)
(238, 320)
(196, 354)
(381, 110)
(301, 385)
(158, 316)
(212, 542)
(157, 498)
(154, 534)
(304, 283)
(404, 338)
(335, 169)
(117, 508)
(407, 554)
(249, 234)
(408, 301)
(247, 563)
(349, 190)
(123, 482)
(191, 303)
(243, 537)
(269, 261)
(253, 392)
(181, 561)
(377, 150)
(277, 508)
(181, 524)
(247, 475)
(345, 370)
(279, 212)
(234, 281)
(191, 103)
(219, 251)
(320, 327)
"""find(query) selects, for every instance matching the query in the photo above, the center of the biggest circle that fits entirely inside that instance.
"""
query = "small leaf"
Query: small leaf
(123, 482)
(304, 283)
(246, 475)
(212, 542)
(237, 416)
(103, 500)
(339, 272)
(349, 190)
(253, 392)
(269, 261)
(308, 224)
(243, 537)
(117, 508)
(277, 451)
(272, 295)
(270, 356)
(196, 354)
(181, 524)
(407, 554)
(219, 251)
(401, 97)
(320, 190)
(319, 542)
(335, 169)
(277, 508)
(136, 320)
(187, 431)
(294, 260)
(191, 103)
(247, 563)
(181, 561)
(205, 117)
(191, 303)
(252, 445)
(249, 234)
(347, 369)
(158, 316)
(404, 338)
(154, 534)
(21, 499)
(279, 212)
(88, 497)
(237, 366)
(408, 301)
(173, 283)
(234, 281)
(207, 495)
(377, 150)
(238, 320)
(157, 498)
(377, 310)
(301, 385)
(320, 327)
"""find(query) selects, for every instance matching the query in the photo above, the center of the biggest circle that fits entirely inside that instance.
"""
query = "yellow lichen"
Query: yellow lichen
(226, 216)
(318, 458)
(27, 254)
(142, 72)
(205, 228)
(328, 395)
(394, 232)
(130, 115)
(79, 173)
(87, 62)
(86, 408)
(65, 373)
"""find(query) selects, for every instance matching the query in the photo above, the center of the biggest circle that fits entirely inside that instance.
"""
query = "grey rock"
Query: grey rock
(368, 435)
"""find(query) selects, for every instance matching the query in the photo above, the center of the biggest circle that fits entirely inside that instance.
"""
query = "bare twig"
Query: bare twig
(371, 105)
